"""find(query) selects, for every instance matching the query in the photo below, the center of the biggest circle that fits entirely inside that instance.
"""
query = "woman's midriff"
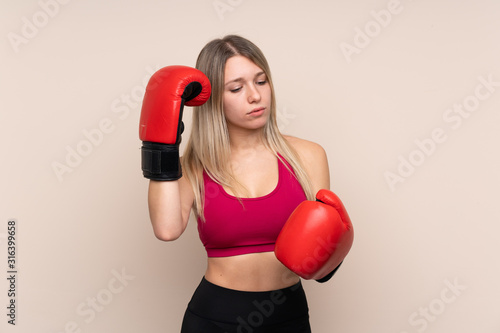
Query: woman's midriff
(250, 272)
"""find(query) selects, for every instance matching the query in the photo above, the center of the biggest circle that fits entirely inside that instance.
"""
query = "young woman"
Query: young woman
(242, 178)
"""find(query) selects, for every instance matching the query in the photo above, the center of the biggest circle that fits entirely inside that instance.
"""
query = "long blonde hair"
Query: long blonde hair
(208, 148)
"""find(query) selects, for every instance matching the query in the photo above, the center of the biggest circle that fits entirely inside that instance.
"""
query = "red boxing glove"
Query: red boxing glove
(316, 238)
(168, 90)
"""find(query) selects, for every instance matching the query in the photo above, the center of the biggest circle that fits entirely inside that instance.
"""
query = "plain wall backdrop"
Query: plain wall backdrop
(404, 96)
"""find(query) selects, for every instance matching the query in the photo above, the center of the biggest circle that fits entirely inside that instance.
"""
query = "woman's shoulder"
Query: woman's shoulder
(308, 151)
(314, 161)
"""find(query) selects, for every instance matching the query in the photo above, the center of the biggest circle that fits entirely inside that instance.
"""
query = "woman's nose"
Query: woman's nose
(253, 94)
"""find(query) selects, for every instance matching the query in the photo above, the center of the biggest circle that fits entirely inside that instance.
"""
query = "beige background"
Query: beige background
(425, 256)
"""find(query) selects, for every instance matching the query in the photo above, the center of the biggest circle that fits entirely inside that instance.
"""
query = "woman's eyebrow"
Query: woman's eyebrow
(235, 80)
(241, 79)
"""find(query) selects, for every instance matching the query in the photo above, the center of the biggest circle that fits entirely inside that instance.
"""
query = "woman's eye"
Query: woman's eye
(235, 90)
(262, 82)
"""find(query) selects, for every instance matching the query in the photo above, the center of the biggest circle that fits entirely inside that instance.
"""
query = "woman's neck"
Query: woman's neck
(244, 140)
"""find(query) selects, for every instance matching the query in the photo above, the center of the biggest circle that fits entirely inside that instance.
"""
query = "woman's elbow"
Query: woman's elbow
(166, 235)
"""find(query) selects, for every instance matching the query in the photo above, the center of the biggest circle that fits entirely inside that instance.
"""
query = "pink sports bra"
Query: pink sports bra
(231, 228)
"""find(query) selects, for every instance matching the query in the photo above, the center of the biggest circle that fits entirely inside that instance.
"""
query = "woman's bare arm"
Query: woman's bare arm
(169, 204)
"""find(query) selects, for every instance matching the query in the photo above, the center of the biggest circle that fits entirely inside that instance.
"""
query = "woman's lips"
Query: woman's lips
(257, 111)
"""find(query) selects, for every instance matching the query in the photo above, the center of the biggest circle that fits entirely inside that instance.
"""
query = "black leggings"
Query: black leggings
(215, 309)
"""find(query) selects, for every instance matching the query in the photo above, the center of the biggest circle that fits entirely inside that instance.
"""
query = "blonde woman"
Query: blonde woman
(242, 179)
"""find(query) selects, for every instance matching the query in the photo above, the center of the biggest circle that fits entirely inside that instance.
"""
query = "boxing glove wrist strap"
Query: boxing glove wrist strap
(160, 161)
(329, 275)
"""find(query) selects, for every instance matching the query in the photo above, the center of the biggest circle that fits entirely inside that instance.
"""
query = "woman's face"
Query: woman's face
(247, 94)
